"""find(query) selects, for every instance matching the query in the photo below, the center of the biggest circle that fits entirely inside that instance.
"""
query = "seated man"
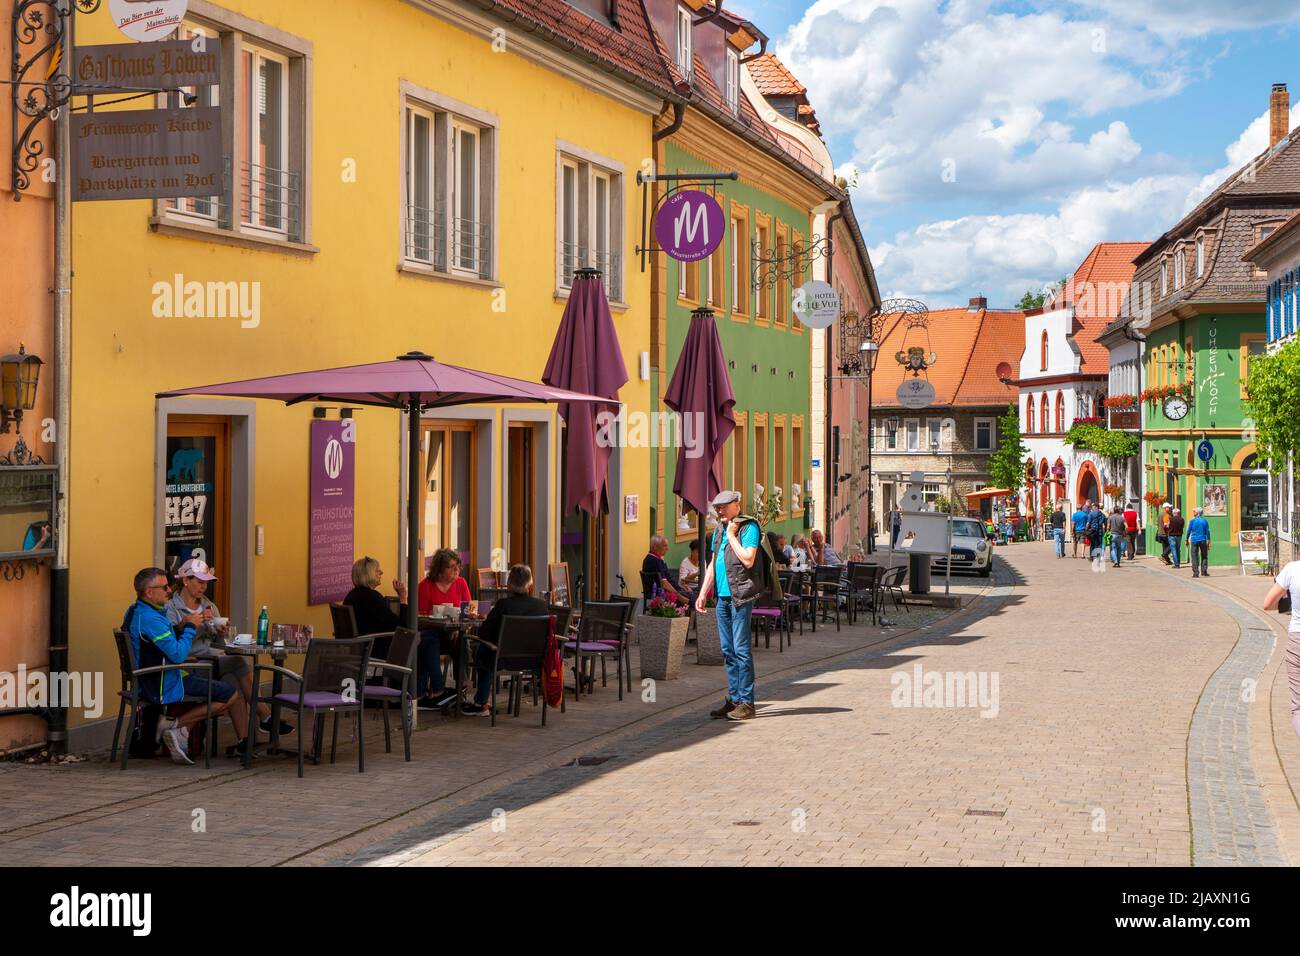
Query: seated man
(519, 602)
(822, 552)
(654, 562)
(156, 642)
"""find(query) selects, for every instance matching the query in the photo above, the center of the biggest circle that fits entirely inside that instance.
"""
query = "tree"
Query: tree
(1007, 464)
(1273, 390)
(1036, 300)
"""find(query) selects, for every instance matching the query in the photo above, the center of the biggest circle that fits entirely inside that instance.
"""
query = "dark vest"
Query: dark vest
(745, 583)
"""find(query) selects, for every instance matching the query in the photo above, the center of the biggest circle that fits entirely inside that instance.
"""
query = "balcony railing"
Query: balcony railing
(610, 264)
(271, 199)
(425, 231)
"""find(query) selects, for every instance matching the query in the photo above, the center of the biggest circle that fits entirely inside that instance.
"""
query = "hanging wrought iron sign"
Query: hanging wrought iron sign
(687, 228)
(915, 393)
(791, 265)
(689, 225)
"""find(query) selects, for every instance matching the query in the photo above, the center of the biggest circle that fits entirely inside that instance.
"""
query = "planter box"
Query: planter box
(708, 648)
(662, 639)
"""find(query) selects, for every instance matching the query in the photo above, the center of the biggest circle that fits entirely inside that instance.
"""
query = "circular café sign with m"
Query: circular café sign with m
(689, 225)
(816, 304)
(915, 393)
(147, 19)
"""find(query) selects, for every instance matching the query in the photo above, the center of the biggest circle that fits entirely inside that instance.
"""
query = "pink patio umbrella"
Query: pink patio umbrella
(700, 391)
(412, 382)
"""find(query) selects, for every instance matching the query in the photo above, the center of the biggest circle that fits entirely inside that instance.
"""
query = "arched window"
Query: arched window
(1043, 348)
(1046, 419)
(1029, 415)
(1060, 412)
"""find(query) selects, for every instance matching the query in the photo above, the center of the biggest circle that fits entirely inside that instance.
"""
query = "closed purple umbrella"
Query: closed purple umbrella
(412, 382)
(700, 391)
(586, 358)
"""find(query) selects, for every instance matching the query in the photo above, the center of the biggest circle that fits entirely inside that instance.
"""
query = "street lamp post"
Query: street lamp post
(869, 350)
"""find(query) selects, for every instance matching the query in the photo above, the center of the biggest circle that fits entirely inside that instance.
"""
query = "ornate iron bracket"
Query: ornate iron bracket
(20, 455)
(37, 33)
(676, 181)
(16, 570)
(767, 271)
(854, 329)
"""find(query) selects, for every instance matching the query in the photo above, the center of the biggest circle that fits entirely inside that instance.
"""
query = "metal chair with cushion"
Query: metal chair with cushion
(396, 682)
(333, 680)
(863, 579)
(520, 652)
(602, 633)
(344, 620)
(130, 693)
(792, 589)
(825, 590)
(766, 615)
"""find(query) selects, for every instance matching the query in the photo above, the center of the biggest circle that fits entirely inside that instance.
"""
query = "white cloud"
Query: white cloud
(1002, 256)
(1191, 18)
(1252, 141)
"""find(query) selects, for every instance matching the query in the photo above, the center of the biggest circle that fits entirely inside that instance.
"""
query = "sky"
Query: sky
(994, 144)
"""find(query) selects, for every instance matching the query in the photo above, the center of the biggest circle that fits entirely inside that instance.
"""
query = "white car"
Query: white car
(971, 548)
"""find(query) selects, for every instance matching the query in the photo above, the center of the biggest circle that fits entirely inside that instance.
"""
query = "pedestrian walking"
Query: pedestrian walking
(1096, 531)
(1174, 537)
(1079, 523)
(1118, 535)
(1287, 585)
(1198, 539)
(1131, 530)
(1162, 532)
(736, 572)
(895, 525)
(1058, 530)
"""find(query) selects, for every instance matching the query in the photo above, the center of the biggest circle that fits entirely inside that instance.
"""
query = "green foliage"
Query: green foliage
(1007, 463)
(941, 503)
(1036, 300)
(769, 508)
(1106, 443)
(1273, 390)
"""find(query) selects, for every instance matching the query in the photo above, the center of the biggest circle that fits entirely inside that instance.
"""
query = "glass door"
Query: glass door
(447, 505)
(196, 508)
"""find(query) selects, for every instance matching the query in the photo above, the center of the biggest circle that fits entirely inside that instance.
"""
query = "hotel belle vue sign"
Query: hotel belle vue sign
(147, 154)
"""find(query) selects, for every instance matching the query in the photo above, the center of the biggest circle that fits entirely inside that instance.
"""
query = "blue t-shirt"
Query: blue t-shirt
(749, 538)
(1198, 529)
(1080, 518)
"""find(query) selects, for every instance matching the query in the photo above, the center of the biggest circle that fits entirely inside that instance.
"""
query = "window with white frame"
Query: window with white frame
(448, 188)
(935, 428)
(1200, 256)
(685, 56)
(891, 434)
(733, 81)
(1164, 276)
(913, 434)
(930, 492)
(263, 193)
(589, 203)
(1179, 259)
(984, 434)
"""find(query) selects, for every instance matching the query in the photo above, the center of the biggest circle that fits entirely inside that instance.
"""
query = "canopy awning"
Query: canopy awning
(988, 493)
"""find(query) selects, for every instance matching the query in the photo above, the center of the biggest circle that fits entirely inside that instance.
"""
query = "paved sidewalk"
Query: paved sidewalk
(1084, 762)
(93, 814)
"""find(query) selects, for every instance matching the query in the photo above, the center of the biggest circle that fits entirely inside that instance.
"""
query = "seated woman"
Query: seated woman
(191, 598)
(799, 554)
(520, 601)
(688, 572)
(780, 550)
(442, 585)
(370, 608)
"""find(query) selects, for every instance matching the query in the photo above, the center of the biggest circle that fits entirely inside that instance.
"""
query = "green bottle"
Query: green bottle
(263, 626)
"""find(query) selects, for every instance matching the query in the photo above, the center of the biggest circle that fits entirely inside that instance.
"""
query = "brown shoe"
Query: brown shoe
(742, 711)
(728, 705)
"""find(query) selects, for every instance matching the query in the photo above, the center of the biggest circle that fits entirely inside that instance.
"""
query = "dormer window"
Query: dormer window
(1164, 277)
(733, 81)
(1178, 268)
(685, 56)
(1200, 256)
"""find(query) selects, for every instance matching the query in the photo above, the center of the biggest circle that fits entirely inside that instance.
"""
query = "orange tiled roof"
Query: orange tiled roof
(969, 346)
(1097, 291)
(772, 78)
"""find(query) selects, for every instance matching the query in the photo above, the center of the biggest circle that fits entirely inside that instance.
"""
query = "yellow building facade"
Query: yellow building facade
(400, 176)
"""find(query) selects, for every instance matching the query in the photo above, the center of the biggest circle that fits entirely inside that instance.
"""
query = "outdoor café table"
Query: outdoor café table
(277, 653)
(465, 631)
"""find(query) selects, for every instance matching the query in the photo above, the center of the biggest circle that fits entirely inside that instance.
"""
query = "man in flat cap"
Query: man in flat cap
(735, 572)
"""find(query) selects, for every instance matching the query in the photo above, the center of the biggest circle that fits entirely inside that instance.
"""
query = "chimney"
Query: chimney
(977, 303)
(1279, 114)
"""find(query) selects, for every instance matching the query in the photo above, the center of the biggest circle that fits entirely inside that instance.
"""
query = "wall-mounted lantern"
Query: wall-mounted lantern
(19, 375)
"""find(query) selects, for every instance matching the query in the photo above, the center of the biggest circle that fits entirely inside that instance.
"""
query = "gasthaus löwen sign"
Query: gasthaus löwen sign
(689, 225)
(130, 67)
(332, 502)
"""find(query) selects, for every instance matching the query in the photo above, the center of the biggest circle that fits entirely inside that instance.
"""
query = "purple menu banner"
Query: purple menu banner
(333, 496)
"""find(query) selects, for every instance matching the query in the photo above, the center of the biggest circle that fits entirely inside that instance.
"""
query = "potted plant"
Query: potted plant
(662, 632)
(708, 648)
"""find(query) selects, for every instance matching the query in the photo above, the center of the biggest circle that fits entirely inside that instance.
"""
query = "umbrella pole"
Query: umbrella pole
(412, 513)
(586, 557)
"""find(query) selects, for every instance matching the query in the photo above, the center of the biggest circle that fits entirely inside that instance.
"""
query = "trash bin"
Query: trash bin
(918, 573)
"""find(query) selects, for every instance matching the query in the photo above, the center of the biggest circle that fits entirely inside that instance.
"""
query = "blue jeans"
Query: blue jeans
(1116, 547)
(428, 669)
(737, 653)
(893, 535)
(1175, 549)
(1059, 535)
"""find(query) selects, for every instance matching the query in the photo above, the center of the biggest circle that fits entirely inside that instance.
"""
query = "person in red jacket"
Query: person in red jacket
(1131, 530)
(442, 585)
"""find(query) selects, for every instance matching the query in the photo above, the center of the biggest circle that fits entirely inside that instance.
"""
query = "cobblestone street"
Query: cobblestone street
(1068, 744)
